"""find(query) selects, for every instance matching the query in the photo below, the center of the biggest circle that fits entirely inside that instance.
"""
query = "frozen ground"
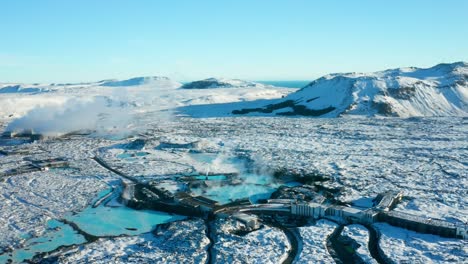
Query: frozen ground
(314, 248)
(266, 245)
(29, 200)
(423, 157)
(360, 234)
(403, 246)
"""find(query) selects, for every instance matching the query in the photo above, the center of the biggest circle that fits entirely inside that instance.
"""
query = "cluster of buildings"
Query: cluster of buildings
(149, 196)
(381, 212)
(36, 165)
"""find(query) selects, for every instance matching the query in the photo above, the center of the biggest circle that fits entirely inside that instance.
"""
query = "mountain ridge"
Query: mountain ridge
(441, 90)
(212, 83)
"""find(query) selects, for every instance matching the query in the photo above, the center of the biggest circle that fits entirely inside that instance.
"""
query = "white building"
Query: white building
(314, 210)
(250, 221)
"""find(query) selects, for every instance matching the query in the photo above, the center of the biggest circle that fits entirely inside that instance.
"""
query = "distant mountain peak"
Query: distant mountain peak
(20, 88)
(211, 83)
(135, 81)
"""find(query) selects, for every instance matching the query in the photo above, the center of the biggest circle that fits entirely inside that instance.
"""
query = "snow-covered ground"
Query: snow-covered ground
(403, 246)
(360, 234)
(314, 248)
(266, 245)
(31, 199)
(423, 157)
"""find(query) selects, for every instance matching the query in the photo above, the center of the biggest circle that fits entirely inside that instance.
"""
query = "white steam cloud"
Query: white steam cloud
(98, 114)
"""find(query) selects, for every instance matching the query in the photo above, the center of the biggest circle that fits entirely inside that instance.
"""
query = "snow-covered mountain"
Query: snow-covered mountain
(19, 88)
(441, 90)
(132, 96)
(137, 81)
(211, 83)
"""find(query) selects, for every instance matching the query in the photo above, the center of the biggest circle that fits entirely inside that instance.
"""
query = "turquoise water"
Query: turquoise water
(204, 157)
(293, 184)
(113, 221)
(211, 177)
(13, 141)
(57, 234)
(228, 193)
(245, 185)
(210, 160)
(125, 156)
(99, 221)
(131, 155)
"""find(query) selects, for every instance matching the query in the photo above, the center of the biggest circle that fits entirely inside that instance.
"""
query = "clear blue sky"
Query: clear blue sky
(85, 40)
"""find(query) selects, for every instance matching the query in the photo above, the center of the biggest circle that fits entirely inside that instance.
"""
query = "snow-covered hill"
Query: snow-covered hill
(137, 81)
(441, 90)
(221, 83)
(121, 102)
(18, 88)
(438, 91)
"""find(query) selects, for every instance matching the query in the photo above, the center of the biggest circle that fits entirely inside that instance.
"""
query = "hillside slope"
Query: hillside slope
(441, 90)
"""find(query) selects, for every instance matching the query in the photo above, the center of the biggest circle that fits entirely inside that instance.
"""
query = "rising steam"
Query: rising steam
(99, 114)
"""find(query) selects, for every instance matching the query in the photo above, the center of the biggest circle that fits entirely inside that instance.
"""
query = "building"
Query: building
(462, 231)
(424, 224)
(206, 205)
(50, 163)
(202, 204)
(388, 200)
(314, 210)
(349, 214)
(370, 216)
(250, 221)
(128, 193)
(281, 201)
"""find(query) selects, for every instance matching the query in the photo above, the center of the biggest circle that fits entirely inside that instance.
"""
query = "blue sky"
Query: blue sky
(86, 40)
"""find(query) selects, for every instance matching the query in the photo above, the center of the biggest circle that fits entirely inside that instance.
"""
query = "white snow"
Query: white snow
(30, 199)
(438, 91)
(266, 245)
(407, 92)
(403, 246)
(360, 234)
(314, 248)
(154, 96)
